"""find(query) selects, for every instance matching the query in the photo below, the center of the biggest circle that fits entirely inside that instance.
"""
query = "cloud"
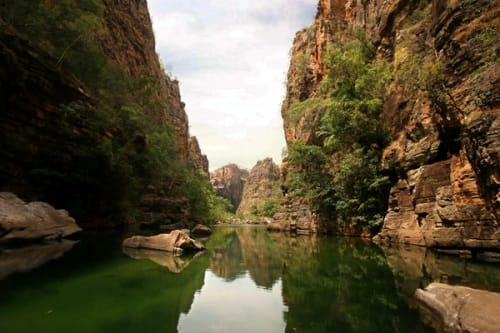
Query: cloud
(231, 60)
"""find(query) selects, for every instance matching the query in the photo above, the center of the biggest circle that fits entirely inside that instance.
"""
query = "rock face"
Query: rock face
(175, 242)
(459, 309)
(261, 185)
(35, 96)
(128, 41)
(43, 105)
(444, 153)
(228, 182)
(295, 216)
(198, 160)
(21, 221)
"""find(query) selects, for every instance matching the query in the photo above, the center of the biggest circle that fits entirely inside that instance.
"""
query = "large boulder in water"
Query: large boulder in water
(21, 221)
(176, 242)
(458, 309)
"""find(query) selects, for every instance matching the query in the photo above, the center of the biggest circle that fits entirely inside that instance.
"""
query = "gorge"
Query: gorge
(388, 187)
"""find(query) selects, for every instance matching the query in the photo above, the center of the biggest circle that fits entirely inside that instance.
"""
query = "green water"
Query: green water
(247, 281)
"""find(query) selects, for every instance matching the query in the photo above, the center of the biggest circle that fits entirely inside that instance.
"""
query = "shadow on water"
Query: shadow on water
(247, 280)
(97, 288)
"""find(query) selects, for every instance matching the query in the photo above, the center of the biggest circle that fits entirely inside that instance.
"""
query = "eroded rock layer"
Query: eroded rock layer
(261, 186)
(72, 141)
(229, 182)
(444, 155)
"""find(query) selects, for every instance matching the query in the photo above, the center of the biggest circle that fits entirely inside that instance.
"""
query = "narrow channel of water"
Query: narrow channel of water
(247, 281)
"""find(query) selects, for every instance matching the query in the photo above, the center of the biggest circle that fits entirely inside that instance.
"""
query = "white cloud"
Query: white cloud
(231, 59)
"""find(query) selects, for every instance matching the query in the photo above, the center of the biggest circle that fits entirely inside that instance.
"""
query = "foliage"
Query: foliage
(305, 108)
(270, 207)
(123, 148)
(341, 178)
(419, 67)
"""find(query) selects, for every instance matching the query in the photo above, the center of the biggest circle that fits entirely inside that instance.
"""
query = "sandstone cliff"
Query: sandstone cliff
(89, 118)
(198, 160)
(262, 189)
(440, 109)
(127, 39)
(229, 182)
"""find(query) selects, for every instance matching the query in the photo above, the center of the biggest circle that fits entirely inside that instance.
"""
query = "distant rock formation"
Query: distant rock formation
(228, 182)
(261, 185)
(21, 221)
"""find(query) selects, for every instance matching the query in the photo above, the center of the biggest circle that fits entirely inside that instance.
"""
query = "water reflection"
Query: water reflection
(25, 259)
(246, 281)
(98, 289)
(415, 267)
(327, 284)
(236, 250)
(173, 263)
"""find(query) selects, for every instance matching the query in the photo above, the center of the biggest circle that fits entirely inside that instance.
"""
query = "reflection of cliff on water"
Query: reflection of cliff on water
(415, 267)
(261, 256)
(27, 258)
(226, 258)
(99, 291)
(173, 263)
(346, 286)
(237, 250)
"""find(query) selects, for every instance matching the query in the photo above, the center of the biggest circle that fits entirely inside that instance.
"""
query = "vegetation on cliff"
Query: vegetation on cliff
(262, 192)
(122, 148)
(339, 170)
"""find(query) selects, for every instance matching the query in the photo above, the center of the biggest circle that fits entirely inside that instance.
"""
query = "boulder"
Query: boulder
(21, 221)
(176, 242)
(450, 308)
(201, 230)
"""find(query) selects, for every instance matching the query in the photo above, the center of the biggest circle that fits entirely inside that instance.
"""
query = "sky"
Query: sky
(231, 59)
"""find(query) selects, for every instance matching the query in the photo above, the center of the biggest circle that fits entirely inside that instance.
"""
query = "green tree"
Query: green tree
(341, 176)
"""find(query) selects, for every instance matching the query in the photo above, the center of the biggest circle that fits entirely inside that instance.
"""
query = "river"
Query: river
(246, 281)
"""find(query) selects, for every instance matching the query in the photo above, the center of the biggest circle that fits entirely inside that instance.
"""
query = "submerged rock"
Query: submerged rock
(458, 309)
(176, 242)
(201, 229)
(21, 221)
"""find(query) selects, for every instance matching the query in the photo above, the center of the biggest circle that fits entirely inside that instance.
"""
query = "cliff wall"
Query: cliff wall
(229, 182)
(441, 110)
(127, 40)
(261, 189)
(89, 119)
